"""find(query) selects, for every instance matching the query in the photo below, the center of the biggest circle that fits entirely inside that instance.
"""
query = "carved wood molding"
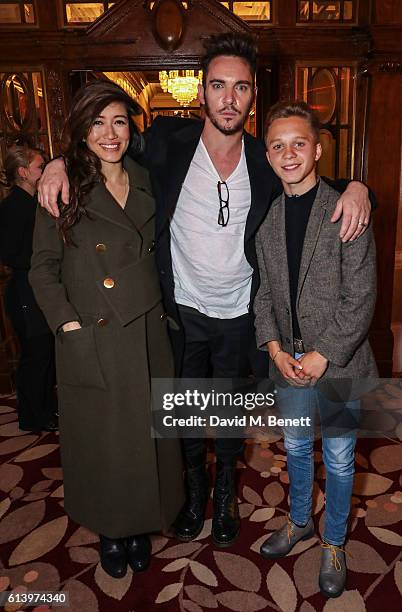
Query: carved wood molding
(229, 20)
(377, 66)
(391, 67)
(114, 16)
(126, 10)
(133, 62)
(55, 104)
(287, 81)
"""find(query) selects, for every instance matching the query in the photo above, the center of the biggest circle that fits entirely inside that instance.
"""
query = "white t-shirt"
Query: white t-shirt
(210, 270)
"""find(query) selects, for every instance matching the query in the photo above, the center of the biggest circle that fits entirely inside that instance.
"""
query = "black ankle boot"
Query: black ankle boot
(113, 556)
(190, 521)
(226, 519)
(139, 552)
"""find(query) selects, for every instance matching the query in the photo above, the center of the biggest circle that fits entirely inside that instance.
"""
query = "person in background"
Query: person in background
(313, 311)
(35, 380)
(94, 275)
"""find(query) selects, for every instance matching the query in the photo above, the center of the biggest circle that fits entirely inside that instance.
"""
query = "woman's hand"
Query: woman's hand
(70, 326)
(314, 365)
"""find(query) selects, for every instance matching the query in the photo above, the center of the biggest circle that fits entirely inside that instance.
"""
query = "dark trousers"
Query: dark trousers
(36, 371)
(217, 348)
(36, 379)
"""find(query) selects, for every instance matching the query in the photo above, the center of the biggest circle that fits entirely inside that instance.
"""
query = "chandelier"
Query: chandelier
(182, 84)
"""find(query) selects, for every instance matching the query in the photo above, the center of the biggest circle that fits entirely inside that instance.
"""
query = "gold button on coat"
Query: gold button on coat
(101, 322)
(101, 248)
(108, 283)
(163, 316)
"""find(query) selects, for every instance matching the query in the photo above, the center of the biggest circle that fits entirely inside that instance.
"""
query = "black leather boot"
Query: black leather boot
(190, 521)
(226, 519)
(139, 552)
(113, 556)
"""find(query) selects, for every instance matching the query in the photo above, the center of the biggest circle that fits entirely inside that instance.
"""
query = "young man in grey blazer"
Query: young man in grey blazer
(313, 310)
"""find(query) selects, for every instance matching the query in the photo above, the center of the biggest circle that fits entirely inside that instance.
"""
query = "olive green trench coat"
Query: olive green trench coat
(118, 480)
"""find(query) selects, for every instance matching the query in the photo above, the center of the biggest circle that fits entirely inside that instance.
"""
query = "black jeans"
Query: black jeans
(36, 371)
(218, 348)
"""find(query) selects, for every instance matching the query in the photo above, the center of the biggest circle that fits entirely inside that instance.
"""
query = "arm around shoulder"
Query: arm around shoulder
(54, 181)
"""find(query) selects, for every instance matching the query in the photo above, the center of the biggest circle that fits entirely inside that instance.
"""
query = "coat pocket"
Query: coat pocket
(77, 359)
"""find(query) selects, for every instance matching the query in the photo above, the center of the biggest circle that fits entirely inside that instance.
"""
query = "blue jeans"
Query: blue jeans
(338, 455)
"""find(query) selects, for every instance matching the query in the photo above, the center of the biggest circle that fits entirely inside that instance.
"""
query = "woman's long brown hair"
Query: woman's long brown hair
(83, 166)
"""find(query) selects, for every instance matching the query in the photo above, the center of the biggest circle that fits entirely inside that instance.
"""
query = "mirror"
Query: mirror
(323, 94)
(16, 101)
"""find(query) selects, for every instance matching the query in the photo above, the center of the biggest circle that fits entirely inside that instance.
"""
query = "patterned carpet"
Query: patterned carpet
(42, 550)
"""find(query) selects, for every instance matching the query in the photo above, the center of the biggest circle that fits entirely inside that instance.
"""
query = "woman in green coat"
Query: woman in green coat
(94, 276)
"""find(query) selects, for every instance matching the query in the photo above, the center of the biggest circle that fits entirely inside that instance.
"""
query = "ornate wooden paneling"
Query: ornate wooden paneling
(56, 96)
(388, 12)
(384, 173)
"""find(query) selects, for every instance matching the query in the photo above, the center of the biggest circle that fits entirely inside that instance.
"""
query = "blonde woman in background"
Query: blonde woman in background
(37, 406)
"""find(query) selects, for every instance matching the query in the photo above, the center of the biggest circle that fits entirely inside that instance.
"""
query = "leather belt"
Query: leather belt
(298, 345)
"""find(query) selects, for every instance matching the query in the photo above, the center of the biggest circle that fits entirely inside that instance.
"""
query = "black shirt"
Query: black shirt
(297, 214)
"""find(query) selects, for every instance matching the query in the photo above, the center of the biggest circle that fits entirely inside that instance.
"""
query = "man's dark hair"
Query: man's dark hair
(299, 108)
(232, 44)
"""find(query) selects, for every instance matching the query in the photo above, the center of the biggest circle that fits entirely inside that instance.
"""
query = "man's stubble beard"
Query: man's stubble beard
(237, 127)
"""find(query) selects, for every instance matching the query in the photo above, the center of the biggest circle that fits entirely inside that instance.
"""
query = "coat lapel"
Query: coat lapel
(102, 204)
(140, 206)
(260, 184)
(312, 233)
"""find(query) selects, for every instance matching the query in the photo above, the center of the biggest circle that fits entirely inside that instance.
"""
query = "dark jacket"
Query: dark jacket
(336, 290)
(170, 147)
(17, 219)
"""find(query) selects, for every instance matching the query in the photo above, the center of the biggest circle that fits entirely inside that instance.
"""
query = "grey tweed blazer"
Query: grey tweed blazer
(336, 290)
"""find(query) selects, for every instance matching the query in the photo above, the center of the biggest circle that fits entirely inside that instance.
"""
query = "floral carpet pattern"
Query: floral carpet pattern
(41, 549)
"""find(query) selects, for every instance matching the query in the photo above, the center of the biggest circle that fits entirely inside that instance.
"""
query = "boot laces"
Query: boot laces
(290, 527)
(334, 558)
(224, 493)
(197, 485)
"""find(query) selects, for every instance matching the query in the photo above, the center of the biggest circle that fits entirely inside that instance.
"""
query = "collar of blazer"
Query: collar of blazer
(140, 205)
(181, 149)
(324, 203)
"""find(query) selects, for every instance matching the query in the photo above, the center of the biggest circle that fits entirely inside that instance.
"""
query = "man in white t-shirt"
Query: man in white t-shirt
(213, 187)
